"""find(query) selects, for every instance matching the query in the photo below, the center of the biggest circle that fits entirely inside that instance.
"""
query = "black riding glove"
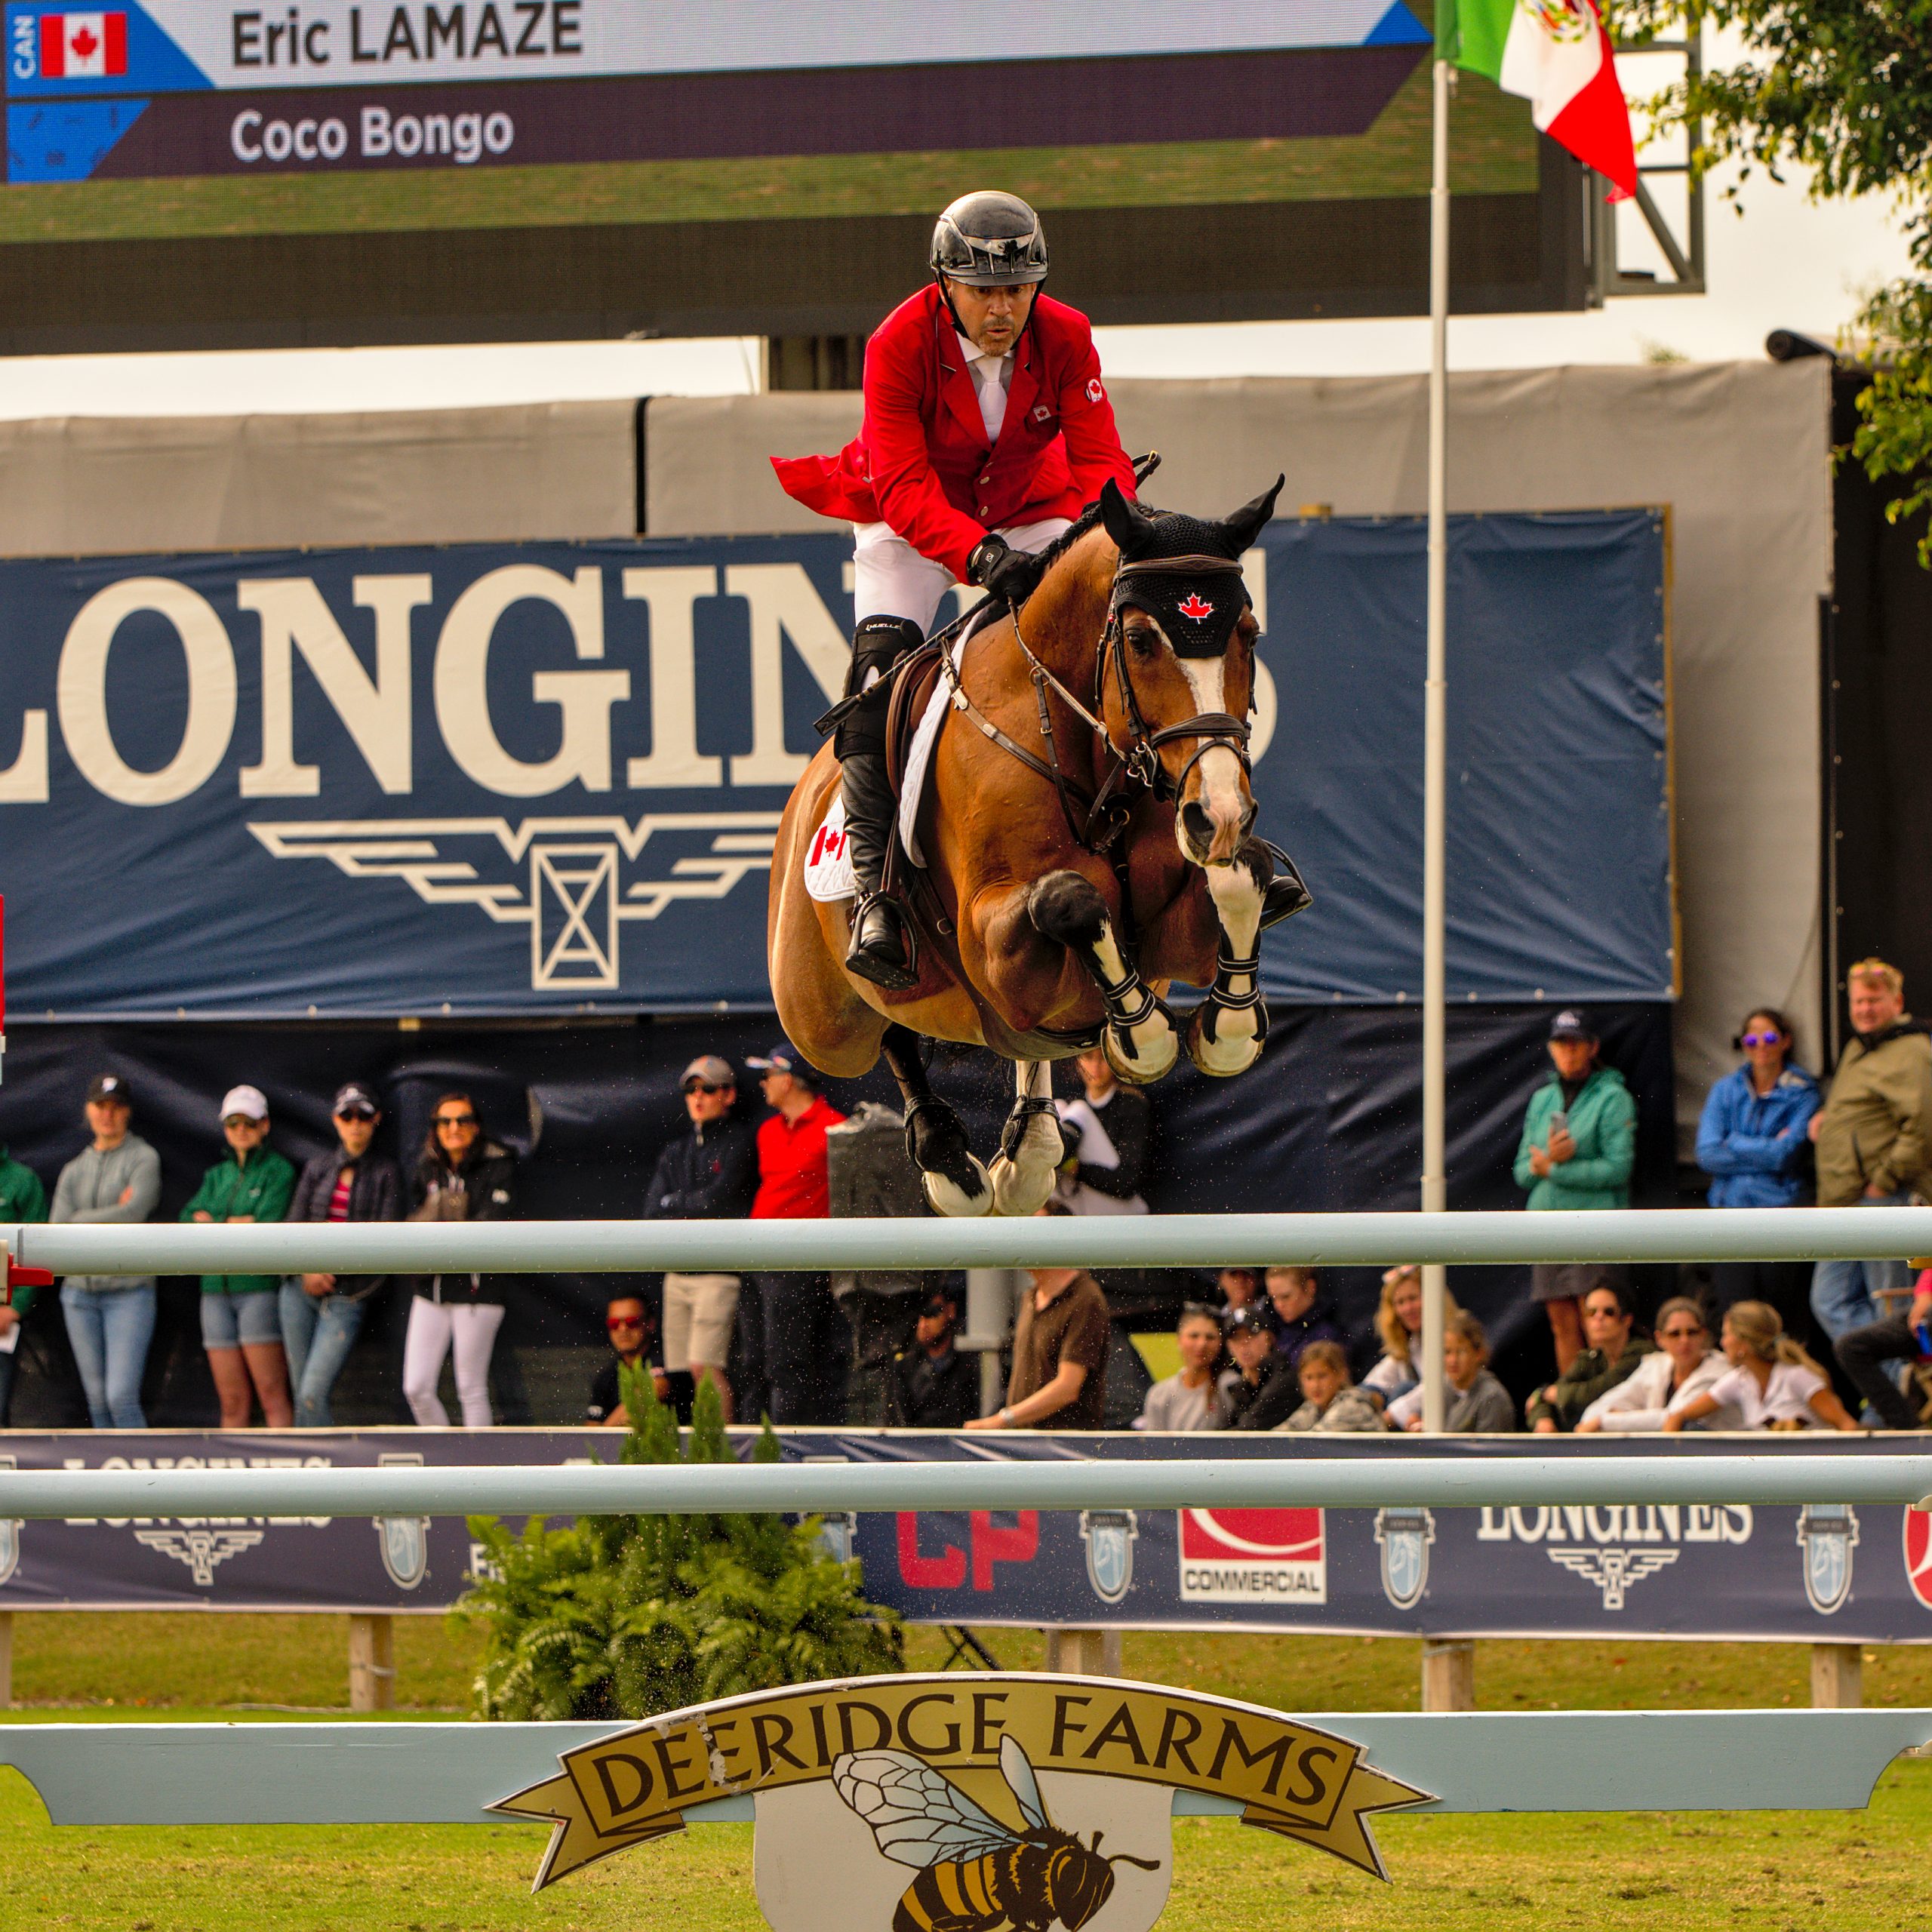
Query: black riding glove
(995, 566)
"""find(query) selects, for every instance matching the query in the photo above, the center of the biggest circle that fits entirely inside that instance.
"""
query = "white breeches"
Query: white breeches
(890, 579)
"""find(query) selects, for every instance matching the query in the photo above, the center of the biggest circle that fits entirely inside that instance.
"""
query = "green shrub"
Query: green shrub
(620, 1616)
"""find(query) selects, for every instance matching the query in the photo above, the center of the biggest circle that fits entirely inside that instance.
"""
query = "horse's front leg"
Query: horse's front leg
(1142, 1042)
(1029, 1145)
(1225, 1033)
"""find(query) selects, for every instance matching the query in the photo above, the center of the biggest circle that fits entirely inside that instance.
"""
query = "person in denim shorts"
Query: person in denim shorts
(242, 1314)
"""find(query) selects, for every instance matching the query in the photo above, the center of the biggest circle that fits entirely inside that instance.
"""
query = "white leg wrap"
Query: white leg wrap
(1023, 1180)
(1223, 1038)
(1156, 1044)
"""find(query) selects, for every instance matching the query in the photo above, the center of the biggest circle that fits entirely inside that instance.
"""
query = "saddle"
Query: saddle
(913, 682)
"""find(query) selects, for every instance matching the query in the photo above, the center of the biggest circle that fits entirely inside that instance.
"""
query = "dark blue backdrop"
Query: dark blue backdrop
(543, 778)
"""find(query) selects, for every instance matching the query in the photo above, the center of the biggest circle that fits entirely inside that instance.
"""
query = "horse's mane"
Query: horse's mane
(1087, 521)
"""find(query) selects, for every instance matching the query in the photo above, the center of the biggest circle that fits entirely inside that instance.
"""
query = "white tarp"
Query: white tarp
(107, 486)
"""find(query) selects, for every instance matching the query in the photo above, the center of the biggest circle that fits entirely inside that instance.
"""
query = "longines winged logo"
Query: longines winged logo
(1614, 1571)
(948, 1804)
(565, 876)
(200, 1549)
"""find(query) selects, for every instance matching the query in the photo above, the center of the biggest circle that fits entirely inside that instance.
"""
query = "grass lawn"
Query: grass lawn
(1754, 1872)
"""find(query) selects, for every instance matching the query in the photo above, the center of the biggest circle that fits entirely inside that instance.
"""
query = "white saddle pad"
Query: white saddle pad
(828, 866)
(828, 863)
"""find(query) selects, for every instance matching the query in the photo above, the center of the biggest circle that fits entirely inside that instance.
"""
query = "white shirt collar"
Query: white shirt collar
(973, 353)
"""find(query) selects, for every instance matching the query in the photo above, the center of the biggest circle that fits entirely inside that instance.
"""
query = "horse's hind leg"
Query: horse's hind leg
(1225, 1033)
(1029, 1145)
(956, 1183)
(1142, 1041)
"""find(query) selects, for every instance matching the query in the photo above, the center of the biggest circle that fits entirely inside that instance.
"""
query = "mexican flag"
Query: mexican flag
(1556, 55)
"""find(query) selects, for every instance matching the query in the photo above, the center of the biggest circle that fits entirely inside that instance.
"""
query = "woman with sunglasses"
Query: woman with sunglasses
(462, 1175)
(1684, 1366)
(1753, 1142)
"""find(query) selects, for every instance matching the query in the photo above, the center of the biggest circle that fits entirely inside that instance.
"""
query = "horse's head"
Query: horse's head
(1183, 662)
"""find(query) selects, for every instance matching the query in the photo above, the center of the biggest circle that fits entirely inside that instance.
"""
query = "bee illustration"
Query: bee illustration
(975, 1873)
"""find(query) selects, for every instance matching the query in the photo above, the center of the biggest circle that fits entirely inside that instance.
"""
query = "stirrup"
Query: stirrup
(1286, 894)
(883, 972)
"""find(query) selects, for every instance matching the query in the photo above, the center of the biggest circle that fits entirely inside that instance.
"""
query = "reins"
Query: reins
(1139, 766)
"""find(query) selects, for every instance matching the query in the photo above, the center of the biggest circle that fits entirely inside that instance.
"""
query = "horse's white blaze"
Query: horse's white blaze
(1219, 770)
(1236, 1045)
(1156, 1045)
(1022, 1185)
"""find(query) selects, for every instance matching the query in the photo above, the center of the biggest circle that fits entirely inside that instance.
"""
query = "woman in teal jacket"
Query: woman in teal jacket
(242, 1314)
(1579, 1145)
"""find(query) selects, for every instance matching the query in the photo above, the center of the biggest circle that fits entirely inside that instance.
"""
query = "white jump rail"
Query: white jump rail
(451, 1773)
(1151, 1241)
(1396, 1479)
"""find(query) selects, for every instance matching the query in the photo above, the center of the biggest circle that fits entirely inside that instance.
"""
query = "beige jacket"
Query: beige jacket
(1876, 1128)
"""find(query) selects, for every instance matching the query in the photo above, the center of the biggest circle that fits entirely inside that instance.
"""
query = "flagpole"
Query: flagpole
(1435, 694)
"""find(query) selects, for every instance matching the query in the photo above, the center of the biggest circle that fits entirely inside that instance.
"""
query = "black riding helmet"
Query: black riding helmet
(990, 240)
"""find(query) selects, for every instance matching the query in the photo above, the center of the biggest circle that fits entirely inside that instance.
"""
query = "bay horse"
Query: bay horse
(1087, 831)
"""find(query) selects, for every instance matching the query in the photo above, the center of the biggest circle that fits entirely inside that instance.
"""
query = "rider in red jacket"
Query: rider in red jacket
(987, 429)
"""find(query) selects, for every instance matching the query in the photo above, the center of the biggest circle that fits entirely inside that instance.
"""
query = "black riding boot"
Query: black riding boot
(1286, 894)
(881, 947)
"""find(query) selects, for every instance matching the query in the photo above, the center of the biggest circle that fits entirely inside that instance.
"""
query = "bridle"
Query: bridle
(1138, 767)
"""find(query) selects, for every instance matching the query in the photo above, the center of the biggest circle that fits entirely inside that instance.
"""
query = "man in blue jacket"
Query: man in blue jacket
(709, 1174)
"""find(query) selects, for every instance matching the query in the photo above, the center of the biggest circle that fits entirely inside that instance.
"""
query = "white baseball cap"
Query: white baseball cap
(249, 1102)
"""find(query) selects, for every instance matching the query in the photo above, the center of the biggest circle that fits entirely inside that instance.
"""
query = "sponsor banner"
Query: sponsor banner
(1823, 1572)
(177, 46)
(546, 777)
(188, 88)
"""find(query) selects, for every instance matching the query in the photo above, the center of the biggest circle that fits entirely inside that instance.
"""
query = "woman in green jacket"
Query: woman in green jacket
(1579, 1145)
(242, 1314)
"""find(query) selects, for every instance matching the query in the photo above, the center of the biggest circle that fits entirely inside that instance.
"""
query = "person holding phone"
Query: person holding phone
(1579, 1146)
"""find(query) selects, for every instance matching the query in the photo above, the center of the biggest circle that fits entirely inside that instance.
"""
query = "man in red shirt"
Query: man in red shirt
(987, 429)
(804, 1337)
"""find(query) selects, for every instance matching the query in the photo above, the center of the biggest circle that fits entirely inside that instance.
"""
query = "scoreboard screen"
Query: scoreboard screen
(185, 174)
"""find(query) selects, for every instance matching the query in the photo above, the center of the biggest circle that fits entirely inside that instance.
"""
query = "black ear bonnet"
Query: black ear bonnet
(1183, 571)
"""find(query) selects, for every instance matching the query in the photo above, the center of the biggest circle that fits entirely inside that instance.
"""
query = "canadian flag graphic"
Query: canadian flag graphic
(83, 47)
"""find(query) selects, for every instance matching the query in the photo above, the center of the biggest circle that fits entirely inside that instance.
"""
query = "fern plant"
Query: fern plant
(621, 1617)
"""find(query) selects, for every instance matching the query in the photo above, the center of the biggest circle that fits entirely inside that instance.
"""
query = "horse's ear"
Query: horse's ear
(1248, 522)
(1125, 525)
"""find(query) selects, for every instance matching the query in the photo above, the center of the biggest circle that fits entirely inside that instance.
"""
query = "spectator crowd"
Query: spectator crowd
(1769, 1345)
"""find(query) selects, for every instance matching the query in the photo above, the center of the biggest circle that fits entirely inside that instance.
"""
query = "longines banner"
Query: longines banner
(1822, 1572)
(545, 778)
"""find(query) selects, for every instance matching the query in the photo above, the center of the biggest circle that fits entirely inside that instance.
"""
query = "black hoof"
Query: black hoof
(936, 1143)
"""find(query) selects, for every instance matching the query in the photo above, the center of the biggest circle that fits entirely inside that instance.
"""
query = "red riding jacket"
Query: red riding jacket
(920, 460)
